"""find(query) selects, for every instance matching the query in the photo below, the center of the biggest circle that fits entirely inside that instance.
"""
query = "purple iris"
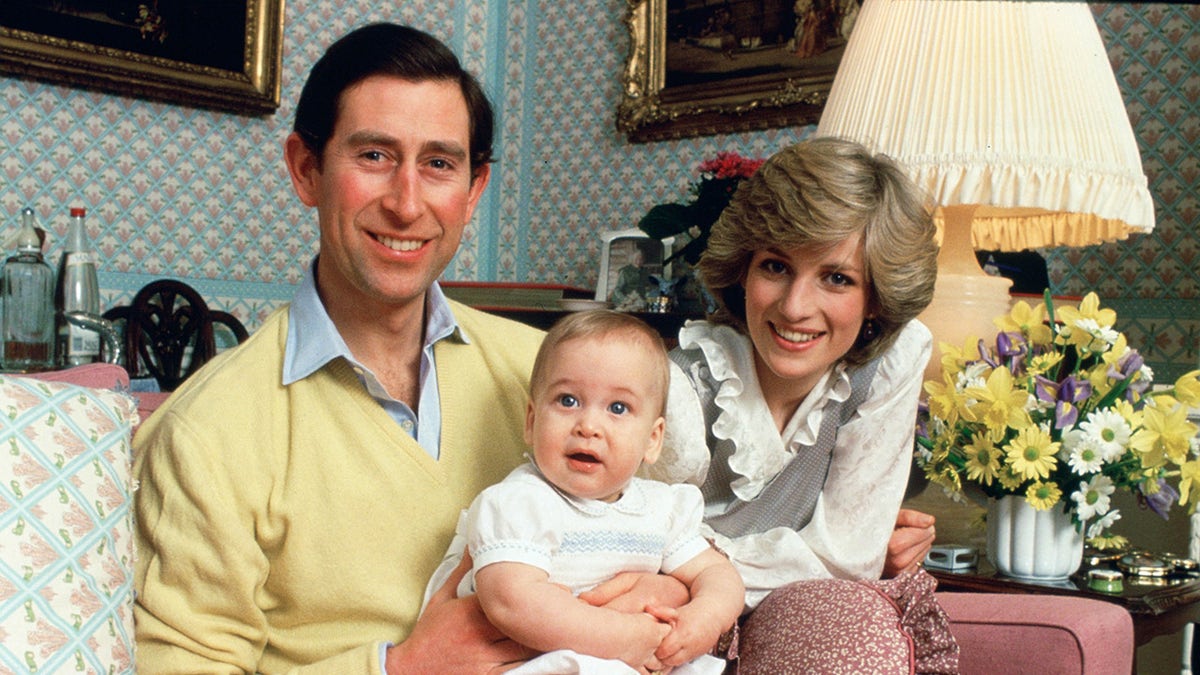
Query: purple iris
(1160, 502)
(1010, 346)
(1129, 364)
(1064, 395)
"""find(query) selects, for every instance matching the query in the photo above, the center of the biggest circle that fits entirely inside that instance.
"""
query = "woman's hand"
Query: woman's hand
(910, 542)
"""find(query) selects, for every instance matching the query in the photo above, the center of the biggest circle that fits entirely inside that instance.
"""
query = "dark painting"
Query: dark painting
(202, 32)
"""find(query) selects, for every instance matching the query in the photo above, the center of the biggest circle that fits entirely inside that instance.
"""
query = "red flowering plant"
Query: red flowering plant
(719, 177)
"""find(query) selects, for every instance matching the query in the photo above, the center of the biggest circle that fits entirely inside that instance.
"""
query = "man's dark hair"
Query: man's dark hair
(395, 51)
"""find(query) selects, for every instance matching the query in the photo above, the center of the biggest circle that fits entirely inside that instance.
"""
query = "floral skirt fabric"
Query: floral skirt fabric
(839, 626)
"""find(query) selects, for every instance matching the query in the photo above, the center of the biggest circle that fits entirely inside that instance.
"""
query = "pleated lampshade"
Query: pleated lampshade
(1009, 115)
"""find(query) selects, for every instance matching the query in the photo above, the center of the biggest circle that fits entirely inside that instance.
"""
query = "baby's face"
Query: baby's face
(595, 418)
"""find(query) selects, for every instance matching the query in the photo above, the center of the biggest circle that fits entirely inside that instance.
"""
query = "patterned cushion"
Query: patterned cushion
(839, 626)
(66, 528)
(827, 626)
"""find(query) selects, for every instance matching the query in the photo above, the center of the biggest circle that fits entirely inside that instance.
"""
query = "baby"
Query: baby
(576, 515)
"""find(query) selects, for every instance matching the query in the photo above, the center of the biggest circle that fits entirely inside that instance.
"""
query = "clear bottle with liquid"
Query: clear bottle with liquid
(77, 290)
(27, 303)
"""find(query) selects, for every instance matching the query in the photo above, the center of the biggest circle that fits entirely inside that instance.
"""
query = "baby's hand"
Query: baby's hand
(645, 639)
(691, 634)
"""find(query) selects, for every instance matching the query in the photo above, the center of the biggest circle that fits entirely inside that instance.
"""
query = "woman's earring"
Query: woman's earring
(870, 329)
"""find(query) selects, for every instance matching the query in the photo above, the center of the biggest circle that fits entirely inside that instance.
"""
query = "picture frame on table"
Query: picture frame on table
(628, 258)
(219, 54)
(698, 69)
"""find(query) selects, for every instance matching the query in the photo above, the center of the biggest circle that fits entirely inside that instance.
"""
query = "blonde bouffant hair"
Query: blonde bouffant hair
(817, 193)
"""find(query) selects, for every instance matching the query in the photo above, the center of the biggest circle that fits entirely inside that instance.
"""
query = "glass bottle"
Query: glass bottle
(27, 296)
(77, 290)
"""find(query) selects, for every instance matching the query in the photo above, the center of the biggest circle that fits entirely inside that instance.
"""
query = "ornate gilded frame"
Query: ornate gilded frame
(651, 111)
(253, 89)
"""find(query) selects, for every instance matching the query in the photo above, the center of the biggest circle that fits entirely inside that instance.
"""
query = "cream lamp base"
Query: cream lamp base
(965, 298)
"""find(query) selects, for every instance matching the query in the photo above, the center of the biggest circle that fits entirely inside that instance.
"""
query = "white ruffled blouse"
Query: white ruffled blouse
(856, 511)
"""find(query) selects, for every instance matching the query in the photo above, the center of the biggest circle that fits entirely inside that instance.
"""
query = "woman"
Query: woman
(793, 406)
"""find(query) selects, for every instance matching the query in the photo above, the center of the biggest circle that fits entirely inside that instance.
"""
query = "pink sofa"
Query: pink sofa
(996, 633)
(1036, 634)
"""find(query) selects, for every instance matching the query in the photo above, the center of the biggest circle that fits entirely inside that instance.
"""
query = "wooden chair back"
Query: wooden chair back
(168, 332)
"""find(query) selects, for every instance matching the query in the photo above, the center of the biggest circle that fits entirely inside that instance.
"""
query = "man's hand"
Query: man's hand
(454, 636)
(631, 592)
(910, 542)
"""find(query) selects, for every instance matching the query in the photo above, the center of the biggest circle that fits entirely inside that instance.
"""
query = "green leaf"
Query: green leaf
(666, 220)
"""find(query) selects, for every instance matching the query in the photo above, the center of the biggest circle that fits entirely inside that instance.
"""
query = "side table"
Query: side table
(1159, 607)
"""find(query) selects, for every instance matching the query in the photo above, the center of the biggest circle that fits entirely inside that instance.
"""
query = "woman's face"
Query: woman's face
(804, 310)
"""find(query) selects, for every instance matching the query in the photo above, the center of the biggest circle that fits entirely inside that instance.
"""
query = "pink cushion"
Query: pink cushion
(1072, 634)
(107, 376)
(94, 375)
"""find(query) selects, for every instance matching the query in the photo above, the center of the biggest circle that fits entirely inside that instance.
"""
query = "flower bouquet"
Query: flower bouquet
(719, 177)
(1061, 411)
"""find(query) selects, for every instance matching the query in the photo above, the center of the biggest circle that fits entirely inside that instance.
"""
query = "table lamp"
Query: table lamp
(1009, 115)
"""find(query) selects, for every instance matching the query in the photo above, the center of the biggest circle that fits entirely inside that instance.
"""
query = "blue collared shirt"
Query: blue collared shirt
(313, 341)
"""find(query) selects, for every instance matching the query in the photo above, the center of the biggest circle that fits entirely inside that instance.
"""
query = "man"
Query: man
(297, 493)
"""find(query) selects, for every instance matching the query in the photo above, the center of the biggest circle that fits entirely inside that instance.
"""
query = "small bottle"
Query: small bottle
(77, 290)
(27, 296)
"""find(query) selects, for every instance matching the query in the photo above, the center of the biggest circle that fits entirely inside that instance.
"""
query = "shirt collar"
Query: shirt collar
(313, 340)
(633, 499)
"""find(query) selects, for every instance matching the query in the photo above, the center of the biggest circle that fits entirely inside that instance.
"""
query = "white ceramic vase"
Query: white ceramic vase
(1025, 543)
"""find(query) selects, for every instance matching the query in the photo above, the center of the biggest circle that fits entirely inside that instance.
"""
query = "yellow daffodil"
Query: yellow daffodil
(1187, 388)
(1043, 495)
(954, 358)
(1119, 349)
(1080, 325)
(1032, 453)
(1089, 308)
(1002, 404)
(1165, 431)
(945, 401)
(1189, 476)
(1029, 321)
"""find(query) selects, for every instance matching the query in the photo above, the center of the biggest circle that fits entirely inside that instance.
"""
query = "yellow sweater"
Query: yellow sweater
(281, 526)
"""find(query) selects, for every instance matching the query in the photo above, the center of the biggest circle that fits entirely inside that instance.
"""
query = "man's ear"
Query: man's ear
(654, 449)
(479, 181)
(529, 423)
(303, 167)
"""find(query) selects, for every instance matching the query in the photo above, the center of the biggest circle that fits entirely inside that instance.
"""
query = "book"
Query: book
(502, 294)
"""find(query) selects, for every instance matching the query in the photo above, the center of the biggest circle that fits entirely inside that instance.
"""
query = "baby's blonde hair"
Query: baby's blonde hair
(600, 324)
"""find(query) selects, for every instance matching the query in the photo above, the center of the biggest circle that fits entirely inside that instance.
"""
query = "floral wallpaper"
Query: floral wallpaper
(203, 196)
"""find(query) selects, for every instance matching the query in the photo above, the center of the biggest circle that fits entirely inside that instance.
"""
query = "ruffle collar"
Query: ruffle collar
(760, 453)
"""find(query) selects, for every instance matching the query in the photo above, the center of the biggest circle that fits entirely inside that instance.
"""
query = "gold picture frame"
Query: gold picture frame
(224, 55)
(679, 82)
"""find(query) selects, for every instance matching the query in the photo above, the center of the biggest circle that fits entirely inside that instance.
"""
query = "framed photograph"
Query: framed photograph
(628, 258)
(222, 54)
(704, 68)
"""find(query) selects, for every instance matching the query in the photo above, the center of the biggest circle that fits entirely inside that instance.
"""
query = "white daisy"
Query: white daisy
(1084, 458)
(1108, 431)
(1099, 333)
(974, 375)
(1092, 498)
(1106, 521)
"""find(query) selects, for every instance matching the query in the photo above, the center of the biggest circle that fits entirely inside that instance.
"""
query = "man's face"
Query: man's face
(394, 191)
